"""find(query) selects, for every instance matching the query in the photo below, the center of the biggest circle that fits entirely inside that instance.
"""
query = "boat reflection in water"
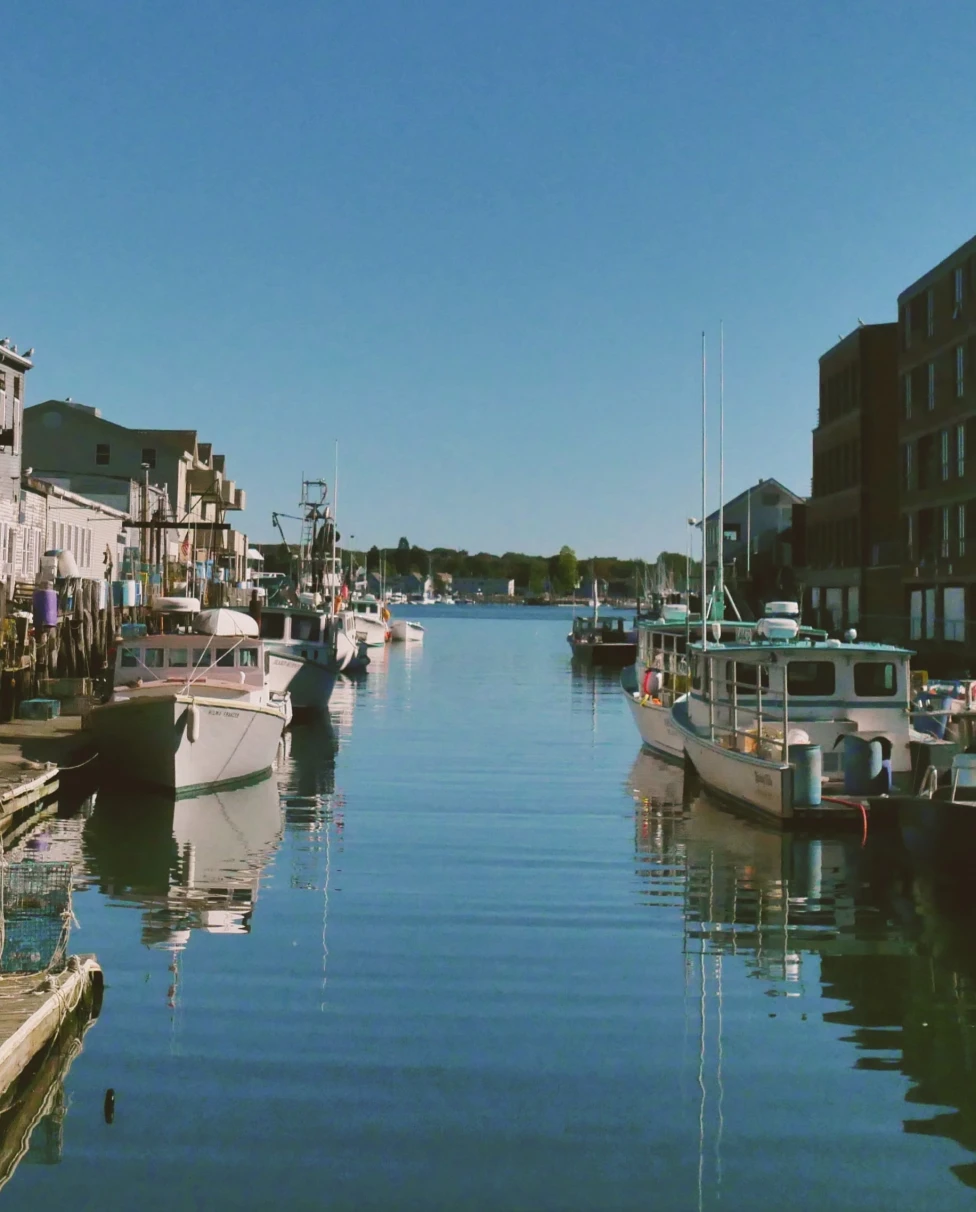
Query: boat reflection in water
(33, 1108)
(868, 923)
(193, 863)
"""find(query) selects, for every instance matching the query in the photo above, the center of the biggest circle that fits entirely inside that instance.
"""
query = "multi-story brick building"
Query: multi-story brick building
(937, 464)
(853, 573)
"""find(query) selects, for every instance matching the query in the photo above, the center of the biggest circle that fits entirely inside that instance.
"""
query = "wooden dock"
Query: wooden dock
(34, 1008)
(36, 756)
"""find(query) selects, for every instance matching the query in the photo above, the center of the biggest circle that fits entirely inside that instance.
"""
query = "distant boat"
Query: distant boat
(405, 631)
(372, 620)
(602, 642)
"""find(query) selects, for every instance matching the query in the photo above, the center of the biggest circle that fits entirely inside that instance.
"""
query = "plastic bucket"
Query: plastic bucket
(862, 764)
(45, 603)
(806, 763)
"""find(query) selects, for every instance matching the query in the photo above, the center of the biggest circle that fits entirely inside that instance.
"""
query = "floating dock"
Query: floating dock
(36, 756)
(34, 1008)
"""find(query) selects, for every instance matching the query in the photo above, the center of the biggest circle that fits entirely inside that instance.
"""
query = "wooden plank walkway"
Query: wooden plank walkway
(33, 1009)
(34, 757)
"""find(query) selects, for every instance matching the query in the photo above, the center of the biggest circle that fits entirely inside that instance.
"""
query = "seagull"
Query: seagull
(860, 322)
(29, 353)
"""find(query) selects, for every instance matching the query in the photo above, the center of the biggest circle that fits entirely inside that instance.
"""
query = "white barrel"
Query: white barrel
(128, 593)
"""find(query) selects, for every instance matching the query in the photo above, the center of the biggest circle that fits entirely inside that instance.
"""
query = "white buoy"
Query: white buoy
(193, 723)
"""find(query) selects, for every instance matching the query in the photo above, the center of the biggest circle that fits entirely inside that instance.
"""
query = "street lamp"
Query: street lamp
(692, 523)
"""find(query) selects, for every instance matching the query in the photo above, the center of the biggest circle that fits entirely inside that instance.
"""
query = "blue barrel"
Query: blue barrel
(806, 762)
(862, 764)
(45, 608)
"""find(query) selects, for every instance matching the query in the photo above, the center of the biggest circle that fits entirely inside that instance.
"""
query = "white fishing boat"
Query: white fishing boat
(372, 620)
(406, 631)
(302, 646)
(192, 709)
(764, 718)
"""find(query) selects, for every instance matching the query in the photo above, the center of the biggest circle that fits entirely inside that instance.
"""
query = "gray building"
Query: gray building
(489, 587)
(17, 560)
(74, 446)
(758, 523)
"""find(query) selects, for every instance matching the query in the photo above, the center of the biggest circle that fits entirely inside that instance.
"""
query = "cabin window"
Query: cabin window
(249, 658)
(130, 658)
(875, 679)
(178, 658)
(225, 657)
(273, 626)
(306, 630)
(152, 658)
(203, 659)
(810, 677)
(745, 676)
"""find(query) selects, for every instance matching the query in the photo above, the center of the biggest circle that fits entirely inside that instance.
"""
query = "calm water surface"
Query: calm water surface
(469, 950)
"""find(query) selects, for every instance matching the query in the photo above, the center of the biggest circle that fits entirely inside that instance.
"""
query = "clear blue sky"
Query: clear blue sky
(477, 242)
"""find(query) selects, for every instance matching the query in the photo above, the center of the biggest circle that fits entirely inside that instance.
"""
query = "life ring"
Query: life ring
(646, 685)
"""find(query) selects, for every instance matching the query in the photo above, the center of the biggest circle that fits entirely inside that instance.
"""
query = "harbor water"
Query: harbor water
(469, 949)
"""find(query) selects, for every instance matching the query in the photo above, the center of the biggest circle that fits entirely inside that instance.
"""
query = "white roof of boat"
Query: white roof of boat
(801, 646)
(225, 622)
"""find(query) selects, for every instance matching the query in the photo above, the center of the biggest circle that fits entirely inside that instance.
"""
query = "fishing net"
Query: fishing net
(36, 916)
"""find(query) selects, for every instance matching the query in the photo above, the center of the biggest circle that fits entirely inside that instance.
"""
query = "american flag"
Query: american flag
(185, 547)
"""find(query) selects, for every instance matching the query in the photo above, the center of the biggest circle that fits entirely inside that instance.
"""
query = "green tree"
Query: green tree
(401, 558)
(565, 574)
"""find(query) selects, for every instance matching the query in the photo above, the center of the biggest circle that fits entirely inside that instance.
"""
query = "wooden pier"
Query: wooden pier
(36, 757)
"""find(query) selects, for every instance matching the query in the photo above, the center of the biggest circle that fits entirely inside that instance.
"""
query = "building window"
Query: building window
(930, 312)
(3, 380)
(909, 457)
(944, 445)
(853, 606)
(102, 454)
(944, 546)
(910, 534)
(908, 396)
(915, 615)
(17, 382)
(149, 455)
(931, 385)
(957, 291)
(961, 528)
(960, 368)
(954, 613)
(930, 614)
(960, 450)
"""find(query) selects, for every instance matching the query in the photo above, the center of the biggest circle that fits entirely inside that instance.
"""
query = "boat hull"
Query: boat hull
(405, 631)
(147, 740)
(369, 631)
(604, 656)
(309, 682)
(657, 730)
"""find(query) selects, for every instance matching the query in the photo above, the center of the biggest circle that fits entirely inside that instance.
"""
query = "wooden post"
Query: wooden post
(786, 715)
(710, 672)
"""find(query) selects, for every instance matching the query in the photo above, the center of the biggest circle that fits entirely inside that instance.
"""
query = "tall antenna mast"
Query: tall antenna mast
(720, 582)
(704, 524)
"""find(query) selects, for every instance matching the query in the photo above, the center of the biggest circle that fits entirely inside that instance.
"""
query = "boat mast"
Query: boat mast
(720, 573)
(335, 523)
(704, 523)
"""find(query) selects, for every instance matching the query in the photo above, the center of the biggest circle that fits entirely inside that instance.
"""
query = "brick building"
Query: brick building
(937, 472)
(853, 568)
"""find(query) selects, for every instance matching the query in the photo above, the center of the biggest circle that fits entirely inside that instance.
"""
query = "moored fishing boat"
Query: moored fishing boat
(372, 620)
(763, 719)
(192, 709)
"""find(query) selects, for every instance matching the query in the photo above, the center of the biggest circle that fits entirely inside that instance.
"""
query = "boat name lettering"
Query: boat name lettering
(763, 779)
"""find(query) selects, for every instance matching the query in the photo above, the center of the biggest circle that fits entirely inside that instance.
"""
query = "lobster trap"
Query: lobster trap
(35, 916)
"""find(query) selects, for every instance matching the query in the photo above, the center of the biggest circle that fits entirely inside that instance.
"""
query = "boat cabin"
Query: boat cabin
(801, 690)
(221, 651)
(599, 631)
